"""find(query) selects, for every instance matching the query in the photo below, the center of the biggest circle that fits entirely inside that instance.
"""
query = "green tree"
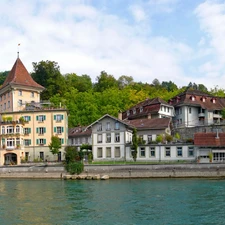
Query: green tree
(47, 73)
(124, 81)
(105, 81)
(134, 144)
(3, 75)
(81, 83)
(73, 163)
(55, 145)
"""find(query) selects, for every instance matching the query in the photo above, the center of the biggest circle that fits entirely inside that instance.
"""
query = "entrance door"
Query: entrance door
(10, 159)
(59, 157)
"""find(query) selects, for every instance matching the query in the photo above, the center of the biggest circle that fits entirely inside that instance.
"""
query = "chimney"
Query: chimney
(120, 115)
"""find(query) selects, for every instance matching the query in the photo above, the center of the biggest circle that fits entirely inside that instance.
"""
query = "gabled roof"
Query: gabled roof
(185, 98)
(112, 117)
(209, 139)
(20, 76)
(153, 124)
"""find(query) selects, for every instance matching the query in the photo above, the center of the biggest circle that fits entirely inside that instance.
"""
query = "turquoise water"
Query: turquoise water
(117, 202)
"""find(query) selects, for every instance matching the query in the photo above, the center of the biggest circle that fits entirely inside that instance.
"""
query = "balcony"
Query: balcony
(218, 116)
(201, 114)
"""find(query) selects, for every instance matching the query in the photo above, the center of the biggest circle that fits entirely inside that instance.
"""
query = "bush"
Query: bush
(74, 167)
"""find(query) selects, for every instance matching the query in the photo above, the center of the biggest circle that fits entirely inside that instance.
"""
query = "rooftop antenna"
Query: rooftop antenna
(18, 50)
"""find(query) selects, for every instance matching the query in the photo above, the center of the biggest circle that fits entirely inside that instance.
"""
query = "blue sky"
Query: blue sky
(178, 40)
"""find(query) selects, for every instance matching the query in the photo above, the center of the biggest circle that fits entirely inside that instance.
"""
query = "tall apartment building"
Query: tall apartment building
(26, 124)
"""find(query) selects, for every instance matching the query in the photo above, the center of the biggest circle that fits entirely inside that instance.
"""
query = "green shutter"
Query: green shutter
(55, 129)
(62, 141)
(62, 117)
(44, 117)
(54, 117)
(37, 118)
(29, 142)
(37, 141)
(29, 130)
(44, 141)
(44, 129)
(62, 129)
(37, 130)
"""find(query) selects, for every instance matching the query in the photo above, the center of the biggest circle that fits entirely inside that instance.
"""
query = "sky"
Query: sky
(181, 41)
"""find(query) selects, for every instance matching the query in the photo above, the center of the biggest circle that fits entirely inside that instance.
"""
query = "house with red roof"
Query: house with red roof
(196, 108)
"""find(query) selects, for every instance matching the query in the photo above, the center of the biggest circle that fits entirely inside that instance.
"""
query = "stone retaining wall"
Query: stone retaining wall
(120, 171)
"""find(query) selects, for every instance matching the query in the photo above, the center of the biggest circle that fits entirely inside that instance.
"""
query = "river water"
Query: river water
(117, 202)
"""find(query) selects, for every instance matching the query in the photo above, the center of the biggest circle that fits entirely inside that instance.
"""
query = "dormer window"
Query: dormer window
(141, 109)
(134, 111)
(203, 99)
(213, 100)
(128, 112)
(192, 98)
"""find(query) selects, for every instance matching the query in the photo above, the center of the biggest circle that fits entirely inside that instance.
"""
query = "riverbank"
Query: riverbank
(43, 171)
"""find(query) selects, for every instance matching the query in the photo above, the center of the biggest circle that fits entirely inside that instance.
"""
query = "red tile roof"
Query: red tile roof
(20, 76)
(79, 131)
(185, 98)
(155, 123)
(209, 139)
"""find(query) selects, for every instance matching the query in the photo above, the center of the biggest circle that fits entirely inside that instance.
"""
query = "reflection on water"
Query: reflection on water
(117, 202)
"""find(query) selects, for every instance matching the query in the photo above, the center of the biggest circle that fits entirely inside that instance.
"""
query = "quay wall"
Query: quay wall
(120, 171)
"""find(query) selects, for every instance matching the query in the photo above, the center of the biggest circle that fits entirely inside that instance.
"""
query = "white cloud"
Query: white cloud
(138, 13)
(85, 40)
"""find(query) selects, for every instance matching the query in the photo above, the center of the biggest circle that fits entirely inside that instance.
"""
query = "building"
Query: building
(148, 109)
(26, 124)
(196, 108)
(213, 144)
(78, 136)
(109, 138)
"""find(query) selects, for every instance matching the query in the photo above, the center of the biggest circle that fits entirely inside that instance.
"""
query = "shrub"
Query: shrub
(74, 167)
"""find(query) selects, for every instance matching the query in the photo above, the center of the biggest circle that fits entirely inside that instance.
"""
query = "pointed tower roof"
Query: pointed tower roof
(20, 76)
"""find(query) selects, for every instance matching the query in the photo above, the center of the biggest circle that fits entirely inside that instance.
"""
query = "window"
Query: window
(189, 110)
(8, 104)
(8, 94)
(58, 118)
(108, 137)
(152, 152)
(17, 129)
(167, 152)
(179, 151)
(10, 142)
(99, 152)
(20, 102)
(3, 129)
(117, 137)
(20, 93)
(117, 125)
(99, 138)
(4, 97)
(108, 126)
(10, 130)
(168, 109)
(141, 109)
(26, 156)
(99, 127)
(32, 94)
(27, 130)
(40, 118)
(58, 130)
(4, 106)
(41, 141)
(134, 111)
(17, 141)
(117, 152)
(142, 152)
(41, 130)
(149, 138)
(26, 118)
(190, 151)
(108, 152)
(61, 141)
(128, 113)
